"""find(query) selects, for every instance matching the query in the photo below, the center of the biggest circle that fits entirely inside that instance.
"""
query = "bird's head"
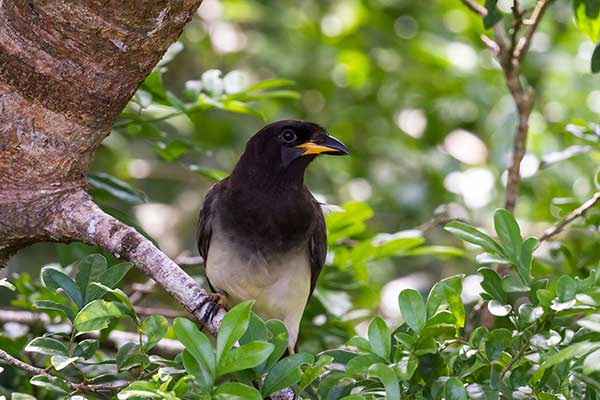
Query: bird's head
(292, 143)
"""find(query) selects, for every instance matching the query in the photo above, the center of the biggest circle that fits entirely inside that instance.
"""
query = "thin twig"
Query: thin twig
(578, 212)
(475, 7)
(532, 22)
(165, 312)
(140, 290)
(80, 387)
(165, 347)
(188, 261)
(435, 222)
(524, 97)
(513, 360)
(510, 52)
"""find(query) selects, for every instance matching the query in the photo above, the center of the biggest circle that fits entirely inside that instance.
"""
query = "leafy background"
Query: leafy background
(422, 105)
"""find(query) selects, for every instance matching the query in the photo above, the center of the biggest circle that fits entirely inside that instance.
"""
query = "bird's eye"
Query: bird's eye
(288, 136)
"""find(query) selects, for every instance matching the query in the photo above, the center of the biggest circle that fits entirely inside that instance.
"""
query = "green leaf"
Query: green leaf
(116, 188)
(445, 294)
(86, 348)
(498, 341)
(214, 175)
(154, 327)
(470, 234)
(257, 330)
(236, 391)
(176, 102)
(413, 309)
(379, 338)
(425, 345)
(492, 284)
(313, 372)
(587, 18)
(48, 346)
(596, 60)
(128, 356)
(591, 322)
(199, 349)
(406, 367)
(54, 279)
(96, 315)
(566, 288)
(90, 269)
(109, 278)
(54, 306)
(242, 108)
(200, 373)
(439, 251)
(387, 376)
(493, 15)
(512, 283)
(526, 258)
(360, 343)
(442, 323)
(454, 390)
(508, 232)
(361, 363)
(285, 373)
(173, 150)
(61, 362)
(56, 385)
(19, 396)
(270, 84)
(115, 273)
(233, 327)
(574, 351)
(246, 356)
(125, 304)
(591, 363)
(279, 339)
(140, 390)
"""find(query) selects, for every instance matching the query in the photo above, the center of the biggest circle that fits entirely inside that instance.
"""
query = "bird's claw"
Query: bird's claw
(214, 301)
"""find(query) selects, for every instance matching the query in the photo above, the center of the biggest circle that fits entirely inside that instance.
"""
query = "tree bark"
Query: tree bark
(67, 69)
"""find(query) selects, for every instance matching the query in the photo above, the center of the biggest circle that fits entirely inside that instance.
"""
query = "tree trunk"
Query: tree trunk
(67, 69)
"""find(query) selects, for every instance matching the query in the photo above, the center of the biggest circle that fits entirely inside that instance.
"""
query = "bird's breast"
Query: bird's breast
(279, 283)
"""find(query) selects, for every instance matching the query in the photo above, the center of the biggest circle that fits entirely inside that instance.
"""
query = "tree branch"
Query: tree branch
(533, 22)
(80, 219)
(578, 212)
(165, 347)
(80, 387)
(510, 52)
(475, 7)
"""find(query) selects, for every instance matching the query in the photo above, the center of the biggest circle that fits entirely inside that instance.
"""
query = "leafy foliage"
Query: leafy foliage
(537, 350)
(363, 69)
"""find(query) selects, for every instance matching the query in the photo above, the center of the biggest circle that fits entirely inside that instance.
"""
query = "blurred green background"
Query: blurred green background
(411, 90)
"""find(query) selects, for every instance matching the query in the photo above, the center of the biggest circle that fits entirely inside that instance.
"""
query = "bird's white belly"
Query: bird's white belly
(280, 286)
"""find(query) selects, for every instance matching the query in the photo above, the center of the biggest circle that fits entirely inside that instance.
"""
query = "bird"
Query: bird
(261, 232)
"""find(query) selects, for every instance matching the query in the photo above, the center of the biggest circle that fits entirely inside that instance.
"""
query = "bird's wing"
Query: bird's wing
(317, 248)
(206, 219)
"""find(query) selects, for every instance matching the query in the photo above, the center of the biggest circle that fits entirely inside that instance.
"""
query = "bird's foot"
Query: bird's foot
(214, 301)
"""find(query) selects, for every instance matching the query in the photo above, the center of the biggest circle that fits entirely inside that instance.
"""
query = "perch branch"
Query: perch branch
(80, 219)
(578, 212)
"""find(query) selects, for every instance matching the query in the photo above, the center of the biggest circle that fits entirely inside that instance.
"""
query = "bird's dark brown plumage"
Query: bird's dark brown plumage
(263, 211)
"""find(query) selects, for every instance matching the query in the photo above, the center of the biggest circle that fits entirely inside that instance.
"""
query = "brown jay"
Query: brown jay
(261, 232)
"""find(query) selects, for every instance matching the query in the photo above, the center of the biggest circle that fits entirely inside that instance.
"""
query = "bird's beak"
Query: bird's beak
(324, 144)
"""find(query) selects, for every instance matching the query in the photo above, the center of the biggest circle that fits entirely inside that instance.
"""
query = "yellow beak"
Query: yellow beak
(327, 144)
